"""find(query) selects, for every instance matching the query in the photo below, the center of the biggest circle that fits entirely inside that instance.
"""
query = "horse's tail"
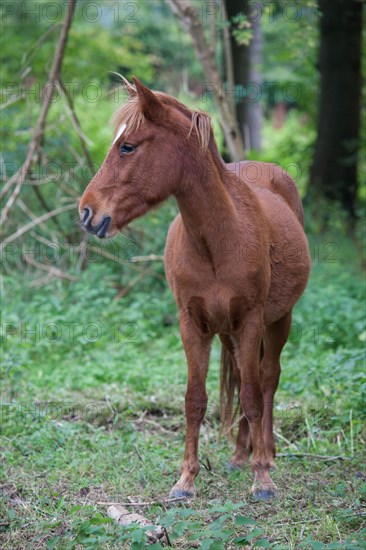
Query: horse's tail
(229, 389)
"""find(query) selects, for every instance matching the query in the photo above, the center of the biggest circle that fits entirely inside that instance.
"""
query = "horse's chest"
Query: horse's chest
(218, 309)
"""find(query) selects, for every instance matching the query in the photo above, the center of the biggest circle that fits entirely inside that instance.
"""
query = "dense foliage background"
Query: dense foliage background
(93, 372)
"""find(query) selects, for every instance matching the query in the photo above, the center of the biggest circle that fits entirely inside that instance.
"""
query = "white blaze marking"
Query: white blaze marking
(122, 128)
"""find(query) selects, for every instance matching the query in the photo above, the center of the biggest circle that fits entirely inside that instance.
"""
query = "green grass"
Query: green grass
(92, 411)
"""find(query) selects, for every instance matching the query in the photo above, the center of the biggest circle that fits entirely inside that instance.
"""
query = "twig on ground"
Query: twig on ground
(167, 537)
(313, 520)
(285, 440)
(138, 453)
(153, 423)
(309, 455)
(151, 503)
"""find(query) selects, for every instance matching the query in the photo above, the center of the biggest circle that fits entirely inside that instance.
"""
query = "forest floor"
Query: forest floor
(92, 412)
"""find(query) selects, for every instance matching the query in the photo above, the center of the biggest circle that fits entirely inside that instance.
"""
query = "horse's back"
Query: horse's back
(272, 177)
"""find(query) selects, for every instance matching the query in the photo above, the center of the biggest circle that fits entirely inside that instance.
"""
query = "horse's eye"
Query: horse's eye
(126, 149)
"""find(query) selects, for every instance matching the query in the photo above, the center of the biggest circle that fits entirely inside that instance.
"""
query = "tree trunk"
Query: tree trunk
(333, 174)
(247, 78)
(240, 55)
(254, 105)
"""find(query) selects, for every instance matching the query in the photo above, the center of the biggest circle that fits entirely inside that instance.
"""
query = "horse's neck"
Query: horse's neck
(210, 216)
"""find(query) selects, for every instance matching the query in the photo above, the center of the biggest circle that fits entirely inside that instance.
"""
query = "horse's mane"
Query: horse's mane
(130, 113)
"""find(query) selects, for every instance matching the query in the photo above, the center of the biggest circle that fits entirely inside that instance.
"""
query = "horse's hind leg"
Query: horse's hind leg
(243, 445)
(275, 337)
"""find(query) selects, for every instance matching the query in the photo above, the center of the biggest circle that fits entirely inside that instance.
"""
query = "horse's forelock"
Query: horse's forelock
(130, 113)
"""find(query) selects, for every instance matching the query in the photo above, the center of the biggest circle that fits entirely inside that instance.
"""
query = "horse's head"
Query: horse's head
(158, 140)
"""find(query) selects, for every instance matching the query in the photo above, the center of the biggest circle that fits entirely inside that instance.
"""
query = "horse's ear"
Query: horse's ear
(150, 104)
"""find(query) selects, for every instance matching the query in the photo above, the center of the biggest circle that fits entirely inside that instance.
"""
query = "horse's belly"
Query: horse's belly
(289, 275)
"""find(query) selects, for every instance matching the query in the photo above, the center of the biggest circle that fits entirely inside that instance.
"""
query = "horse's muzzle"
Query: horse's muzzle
(101, 229)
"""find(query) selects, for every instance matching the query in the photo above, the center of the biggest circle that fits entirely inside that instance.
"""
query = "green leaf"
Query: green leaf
(11, 514)
(206, 544)
(100, 520)
(180, 527)
(254, 533)
(262, 543)
(217, 545)
(240, 541)
(243, 520)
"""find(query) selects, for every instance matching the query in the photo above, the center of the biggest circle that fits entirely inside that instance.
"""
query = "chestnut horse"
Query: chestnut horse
(236, 259)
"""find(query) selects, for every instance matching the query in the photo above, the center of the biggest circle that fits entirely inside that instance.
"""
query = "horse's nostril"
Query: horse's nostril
(87, 215)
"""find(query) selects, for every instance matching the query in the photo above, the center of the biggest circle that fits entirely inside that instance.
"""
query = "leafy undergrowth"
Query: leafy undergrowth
(92, 412)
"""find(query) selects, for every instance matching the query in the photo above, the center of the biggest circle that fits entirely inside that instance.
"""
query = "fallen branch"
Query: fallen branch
(123, 517)
(20, 175)
(151, 503)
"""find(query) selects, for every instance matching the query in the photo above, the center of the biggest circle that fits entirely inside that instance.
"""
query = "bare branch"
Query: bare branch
(52, 270)
(228, 57)
(213, 28)
(36, 222)
(20, 175)
(149, 258)
(190, 21)
(26, 57)
(84, 140)
(115, 258)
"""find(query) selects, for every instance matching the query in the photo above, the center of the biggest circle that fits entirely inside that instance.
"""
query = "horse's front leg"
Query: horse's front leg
(251, 401)
(197, 347)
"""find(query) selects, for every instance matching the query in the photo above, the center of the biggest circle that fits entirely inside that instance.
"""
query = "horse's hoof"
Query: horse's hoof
(264, 494)
(180, 493)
